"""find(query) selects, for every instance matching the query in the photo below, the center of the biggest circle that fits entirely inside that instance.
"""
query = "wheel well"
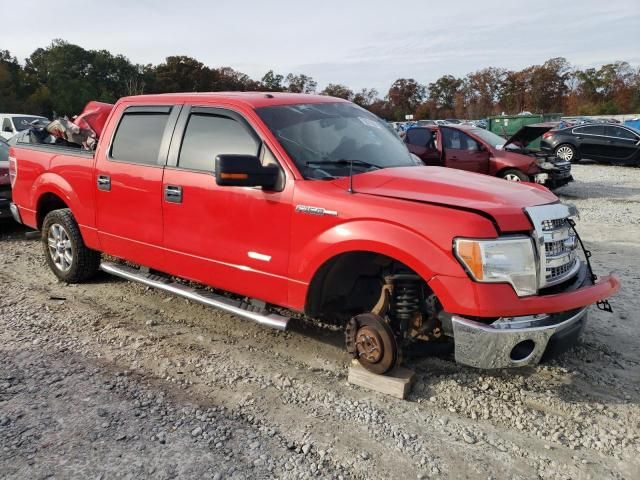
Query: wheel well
(48, 203)
(348, 284)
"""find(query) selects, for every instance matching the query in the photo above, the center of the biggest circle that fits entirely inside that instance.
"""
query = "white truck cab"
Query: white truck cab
(12, 123)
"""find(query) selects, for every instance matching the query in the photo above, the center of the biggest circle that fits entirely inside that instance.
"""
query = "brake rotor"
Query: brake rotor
(370, 340)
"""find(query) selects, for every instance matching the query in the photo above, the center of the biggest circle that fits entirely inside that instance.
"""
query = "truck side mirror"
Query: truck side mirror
(245, 171)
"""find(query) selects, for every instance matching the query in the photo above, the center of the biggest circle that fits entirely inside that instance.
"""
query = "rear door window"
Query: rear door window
(619, 132)
(590, 130)
(210, 134)
(139, 135)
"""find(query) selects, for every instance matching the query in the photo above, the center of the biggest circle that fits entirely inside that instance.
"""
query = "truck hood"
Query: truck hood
(499, 199)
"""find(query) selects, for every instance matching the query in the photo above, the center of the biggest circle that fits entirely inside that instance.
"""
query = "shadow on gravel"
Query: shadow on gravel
(597, 190)
(335, 338)
(12, 231)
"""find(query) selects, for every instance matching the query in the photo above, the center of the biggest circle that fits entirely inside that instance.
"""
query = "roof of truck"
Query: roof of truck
(252, 99)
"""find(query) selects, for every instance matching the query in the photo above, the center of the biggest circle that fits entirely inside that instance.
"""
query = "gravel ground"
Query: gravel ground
(113, 380)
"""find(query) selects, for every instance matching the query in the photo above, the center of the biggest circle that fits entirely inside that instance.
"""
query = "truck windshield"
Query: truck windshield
(327, 140)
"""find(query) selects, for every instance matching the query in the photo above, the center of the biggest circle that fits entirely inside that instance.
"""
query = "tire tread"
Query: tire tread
(86, 262)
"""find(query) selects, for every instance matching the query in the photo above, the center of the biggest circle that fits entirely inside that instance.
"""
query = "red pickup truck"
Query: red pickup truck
(309, 203)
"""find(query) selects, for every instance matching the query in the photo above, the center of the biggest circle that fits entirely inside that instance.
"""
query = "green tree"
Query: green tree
(272, 82)
(10, 74)
(300, 83)
(404, 96)
(366, 97)
(338, 90)
(443, 91)
(182, 74)
(226, 79)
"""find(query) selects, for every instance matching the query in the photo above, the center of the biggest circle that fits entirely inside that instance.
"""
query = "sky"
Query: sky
(359, 43)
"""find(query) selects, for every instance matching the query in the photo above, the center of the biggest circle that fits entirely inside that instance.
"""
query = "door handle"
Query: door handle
(173, 194)
(104, 183)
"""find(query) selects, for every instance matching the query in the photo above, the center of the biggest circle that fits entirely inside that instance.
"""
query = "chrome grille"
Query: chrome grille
(554, 224)
(557, 243)
(554, 248)
(554, 273)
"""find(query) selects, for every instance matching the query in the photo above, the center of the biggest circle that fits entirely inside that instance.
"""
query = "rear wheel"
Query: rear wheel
(566, 152)
(514, 175)
(66, 253)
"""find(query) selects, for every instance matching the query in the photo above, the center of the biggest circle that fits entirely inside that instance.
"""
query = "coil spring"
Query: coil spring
(406, 299)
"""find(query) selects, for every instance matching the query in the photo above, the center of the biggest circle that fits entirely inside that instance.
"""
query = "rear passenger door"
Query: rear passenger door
(592, 142)
(232, 238)
(622, 142)
(128, 183)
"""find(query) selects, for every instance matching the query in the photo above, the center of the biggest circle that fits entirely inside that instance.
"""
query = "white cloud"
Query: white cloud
(360, 43)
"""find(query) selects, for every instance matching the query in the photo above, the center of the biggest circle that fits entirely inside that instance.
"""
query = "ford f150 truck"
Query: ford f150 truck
(285, 202)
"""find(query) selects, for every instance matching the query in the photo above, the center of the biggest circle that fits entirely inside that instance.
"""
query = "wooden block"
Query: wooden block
(396, 383)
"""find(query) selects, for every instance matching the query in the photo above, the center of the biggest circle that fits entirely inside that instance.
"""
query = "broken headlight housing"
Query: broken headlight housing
(502, 260)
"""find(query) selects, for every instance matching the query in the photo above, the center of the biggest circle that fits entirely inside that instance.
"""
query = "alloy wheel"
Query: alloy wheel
(565, 153)
(60, 248)
(512, 177)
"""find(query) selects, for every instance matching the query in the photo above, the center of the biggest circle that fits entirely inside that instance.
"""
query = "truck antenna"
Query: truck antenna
(350, 190)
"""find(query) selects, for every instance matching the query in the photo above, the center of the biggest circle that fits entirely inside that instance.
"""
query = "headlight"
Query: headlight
(509, 260)
(542, 177)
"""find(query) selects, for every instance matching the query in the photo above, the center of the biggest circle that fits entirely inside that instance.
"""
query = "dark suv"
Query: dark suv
(606, 142)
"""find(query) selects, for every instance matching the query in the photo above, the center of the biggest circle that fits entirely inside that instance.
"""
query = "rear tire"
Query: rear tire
(514, 175)
(567, 152)
(67, 256)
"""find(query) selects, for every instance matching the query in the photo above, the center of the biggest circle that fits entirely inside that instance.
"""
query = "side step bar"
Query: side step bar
(240, 308)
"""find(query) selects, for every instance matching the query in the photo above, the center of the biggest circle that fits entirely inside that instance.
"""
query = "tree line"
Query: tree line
(60, 78)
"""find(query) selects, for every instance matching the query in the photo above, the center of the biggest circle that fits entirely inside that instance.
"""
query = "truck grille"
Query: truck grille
(557, 243)
(553, 273)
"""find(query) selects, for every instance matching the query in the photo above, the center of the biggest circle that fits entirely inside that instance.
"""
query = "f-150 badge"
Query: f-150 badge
(315, 210)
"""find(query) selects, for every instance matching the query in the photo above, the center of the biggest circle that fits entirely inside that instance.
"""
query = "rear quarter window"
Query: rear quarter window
(138, 137)
(619, 132)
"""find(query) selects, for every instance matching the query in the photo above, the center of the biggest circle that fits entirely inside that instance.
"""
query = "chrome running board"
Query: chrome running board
(240, 308)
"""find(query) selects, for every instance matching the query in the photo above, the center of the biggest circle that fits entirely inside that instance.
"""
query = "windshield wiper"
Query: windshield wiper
(344, 162)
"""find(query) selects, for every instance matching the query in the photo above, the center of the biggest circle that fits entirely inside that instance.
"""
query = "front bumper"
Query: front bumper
(493, 300)
(516, 341)
(557, 174)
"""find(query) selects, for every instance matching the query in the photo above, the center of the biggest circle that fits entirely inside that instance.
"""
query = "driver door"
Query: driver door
(232, 238)
(463, 152)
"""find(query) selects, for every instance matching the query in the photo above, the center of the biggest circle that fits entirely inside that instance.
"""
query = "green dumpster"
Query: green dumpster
(507, 125)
